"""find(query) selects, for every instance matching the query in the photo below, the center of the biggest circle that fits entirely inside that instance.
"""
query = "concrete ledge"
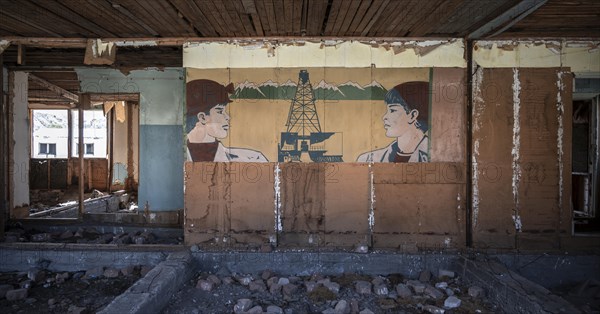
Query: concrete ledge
(512, 292)
(327, 263)
(151, 293)
(78, 257)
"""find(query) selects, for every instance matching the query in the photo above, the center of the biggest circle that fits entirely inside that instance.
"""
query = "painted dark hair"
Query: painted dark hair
(412, 95)
(203, 95)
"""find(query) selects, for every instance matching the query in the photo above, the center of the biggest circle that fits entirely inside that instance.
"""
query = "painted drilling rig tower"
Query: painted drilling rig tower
(304, 139)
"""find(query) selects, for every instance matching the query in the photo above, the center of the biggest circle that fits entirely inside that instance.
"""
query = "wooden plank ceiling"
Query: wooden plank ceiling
(258, 18)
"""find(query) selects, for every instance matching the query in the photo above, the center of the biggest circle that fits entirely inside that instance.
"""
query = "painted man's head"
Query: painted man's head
(207, 118)
(407, 107)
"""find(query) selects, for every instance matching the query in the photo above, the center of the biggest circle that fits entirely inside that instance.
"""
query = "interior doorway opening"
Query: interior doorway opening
(105, 179)
(585, 167)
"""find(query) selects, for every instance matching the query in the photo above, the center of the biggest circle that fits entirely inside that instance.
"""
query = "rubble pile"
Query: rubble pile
(39, 290)
(88, 235)
(348, 293)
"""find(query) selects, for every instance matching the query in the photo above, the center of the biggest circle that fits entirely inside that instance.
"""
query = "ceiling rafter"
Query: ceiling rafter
(57, 89)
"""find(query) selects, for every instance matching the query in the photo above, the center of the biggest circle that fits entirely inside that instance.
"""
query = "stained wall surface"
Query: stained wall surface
(520, 147)
(342, 199)
(521, 143)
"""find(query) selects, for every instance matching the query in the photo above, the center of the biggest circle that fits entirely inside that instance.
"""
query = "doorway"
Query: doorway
(585, 167)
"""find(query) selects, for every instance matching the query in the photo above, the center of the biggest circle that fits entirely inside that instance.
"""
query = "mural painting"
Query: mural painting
(362, 115)
(208, 122)
(406, 121)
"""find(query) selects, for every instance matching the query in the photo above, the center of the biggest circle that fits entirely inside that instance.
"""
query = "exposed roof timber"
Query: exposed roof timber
(57, 89)
(61, 10)
(30, 23)
(507, 19)
(139, 42)
(126, 12)
(101, 97)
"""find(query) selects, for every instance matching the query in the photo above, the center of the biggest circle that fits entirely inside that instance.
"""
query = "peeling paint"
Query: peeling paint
(277, 210)
(3, 45)
(579, 55)
(447, 242)
(561, 110)
(592, 45)
(372, 200)
(475, 202)
(318, 53)
(518, 223)
(135, 44)
(516, 167)
(101, 49)
(478, 105)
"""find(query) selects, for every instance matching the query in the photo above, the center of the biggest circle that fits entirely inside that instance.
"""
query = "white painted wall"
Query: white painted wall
(580, 56)
(352, 54)
(20, 137)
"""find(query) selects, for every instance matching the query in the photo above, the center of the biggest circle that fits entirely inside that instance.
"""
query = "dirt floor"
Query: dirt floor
(68, 292)
(323, 294)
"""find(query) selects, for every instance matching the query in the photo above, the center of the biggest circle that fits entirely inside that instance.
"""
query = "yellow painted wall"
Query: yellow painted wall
(257, 123)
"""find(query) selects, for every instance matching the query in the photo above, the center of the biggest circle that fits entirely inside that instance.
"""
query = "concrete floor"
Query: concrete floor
(513, 281)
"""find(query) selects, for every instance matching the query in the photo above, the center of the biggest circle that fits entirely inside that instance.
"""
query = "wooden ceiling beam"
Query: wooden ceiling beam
(192, 12)
(23, 20)
(250, 9)
(134, 18)
(360, 15)
(141, 42)
(57, 89)
(253, 28)
(440, 15)
(65, 13)
(350, 15)
(507, 19)
(375, 18)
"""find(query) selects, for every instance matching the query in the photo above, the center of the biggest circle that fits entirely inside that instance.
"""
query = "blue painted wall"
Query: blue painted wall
(161, 152)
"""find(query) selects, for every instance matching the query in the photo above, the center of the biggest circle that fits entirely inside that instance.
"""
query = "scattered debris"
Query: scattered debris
(41, 291)
(347, 293)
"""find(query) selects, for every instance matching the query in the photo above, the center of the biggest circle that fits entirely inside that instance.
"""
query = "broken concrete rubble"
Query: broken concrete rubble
(58, 292)
(452, 302)
(351, 293)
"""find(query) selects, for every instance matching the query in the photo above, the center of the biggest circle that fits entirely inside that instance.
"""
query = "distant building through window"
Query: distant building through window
(49, 133)
(89, 149)
(48, 149)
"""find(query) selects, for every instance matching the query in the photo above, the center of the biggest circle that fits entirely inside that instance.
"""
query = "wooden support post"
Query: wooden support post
(21, 54)
(3, 152)
(69, 147)
(111, 142)
(48, 172)
(90, 174)
(129, 146)
(82, 104)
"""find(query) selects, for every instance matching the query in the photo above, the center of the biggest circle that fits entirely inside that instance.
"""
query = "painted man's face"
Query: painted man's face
(396, 121)
(216, 122)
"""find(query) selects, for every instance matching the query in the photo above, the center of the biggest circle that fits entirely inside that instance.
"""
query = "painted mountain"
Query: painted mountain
(322, 90)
